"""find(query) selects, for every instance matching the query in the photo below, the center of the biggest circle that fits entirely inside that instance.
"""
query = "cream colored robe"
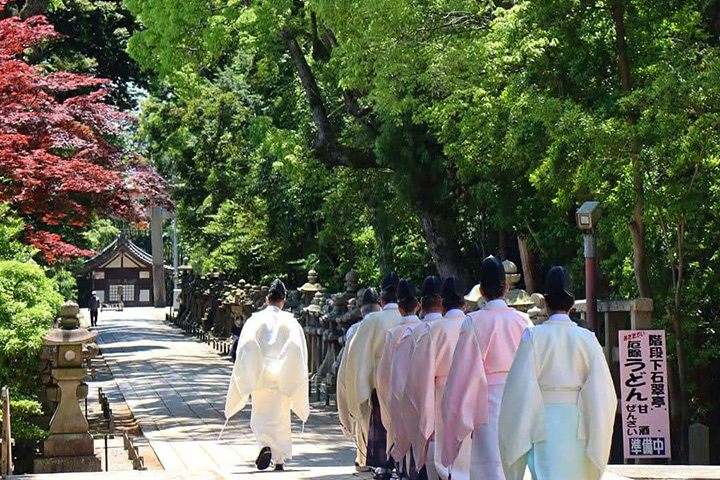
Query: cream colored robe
(271, 366)
(556, 357)
(358, 430)
(363, 357)
(383, 379)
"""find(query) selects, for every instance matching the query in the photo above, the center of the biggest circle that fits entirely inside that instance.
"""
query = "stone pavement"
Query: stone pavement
(175, 386)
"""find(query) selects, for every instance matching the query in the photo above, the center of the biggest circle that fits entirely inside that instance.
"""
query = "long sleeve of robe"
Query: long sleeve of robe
(400, 370)
(556, 357)
(383, 380)
(420, 391)
(346, 420)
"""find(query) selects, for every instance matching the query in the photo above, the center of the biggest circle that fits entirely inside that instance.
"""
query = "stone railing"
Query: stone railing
(212, 307)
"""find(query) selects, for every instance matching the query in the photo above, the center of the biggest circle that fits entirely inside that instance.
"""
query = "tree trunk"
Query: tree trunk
(444, 248)
(637, 229)
(503, 244)
(438, 229)
(684, 409)
(637, 225)
(529, 266)
(676, 317)
(34, 7)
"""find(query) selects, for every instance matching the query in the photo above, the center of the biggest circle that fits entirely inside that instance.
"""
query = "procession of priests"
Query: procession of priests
(429, 391)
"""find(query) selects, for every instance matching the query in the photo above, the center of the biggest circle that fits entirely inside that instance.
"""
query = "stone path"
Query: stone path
(176, 386)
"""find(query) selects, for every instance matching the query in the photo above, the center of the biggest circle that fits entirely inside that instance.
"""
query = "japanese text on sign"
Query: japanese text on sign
(644, 403)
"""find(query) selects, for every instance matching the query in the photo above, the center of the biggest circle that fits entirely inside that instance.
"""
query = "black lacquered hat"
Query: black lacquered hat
(370, 297)
(406, 290)
(558, 284)
(431, 287)
(390, 282)
(492, 276)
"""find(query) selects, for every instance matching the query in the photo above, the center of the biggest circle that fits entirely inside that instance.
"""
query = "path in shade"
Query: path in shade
(175, 386)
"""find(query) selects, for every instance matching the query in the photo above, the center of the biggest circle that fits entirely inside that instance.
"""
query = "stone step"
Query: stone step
(130, 475)
(615, 472)
(666, 472)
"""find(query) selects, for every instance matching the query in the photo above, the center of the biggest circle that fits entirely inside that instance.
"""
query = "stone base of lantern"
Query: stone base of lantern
(69, 445)
(68, 452)
(89, 463)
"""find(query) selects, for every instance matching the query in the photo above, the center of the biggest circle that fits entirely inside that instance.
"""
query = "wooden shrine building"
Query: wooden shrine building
(121, 272)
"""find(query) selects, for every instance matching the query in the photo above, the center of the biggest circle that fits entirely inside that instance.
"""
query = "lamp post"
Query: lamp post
(587, 217)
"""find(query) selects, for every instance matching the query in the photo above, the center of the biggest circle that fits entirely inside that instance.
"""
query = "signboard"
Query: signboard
(643, 386)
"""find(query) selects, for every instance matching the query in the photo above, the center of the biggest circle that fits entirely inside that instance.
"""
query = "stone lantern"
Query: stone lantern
(70, 447)
(516, 297)
(310, 288)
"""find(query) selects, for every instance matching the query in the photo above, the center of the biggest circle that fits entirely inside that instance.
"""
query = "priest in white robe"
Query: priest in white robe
(358, 428)
(363, 357)
(558, 408)
(271, 368)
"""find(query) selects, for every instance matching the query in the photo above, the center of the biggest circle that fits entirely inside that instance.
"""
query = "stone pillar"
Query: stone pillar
(699, 443)
(156, 218)
(70, 447)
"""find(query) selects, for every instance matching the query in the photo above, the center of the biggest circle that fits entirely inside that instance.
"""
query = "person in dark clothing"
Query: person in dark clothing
(94, 308)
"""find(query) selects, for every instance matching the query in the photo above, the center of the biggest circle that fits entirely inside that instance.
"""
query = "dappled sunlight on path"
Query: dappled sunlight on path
(176, 387)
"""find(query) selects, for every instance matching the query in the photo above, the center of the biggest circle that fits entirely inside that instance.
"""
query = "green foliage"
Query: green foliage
(11, 227)
(29, 302)
(100, 234)
(96, 36)
(65, 283)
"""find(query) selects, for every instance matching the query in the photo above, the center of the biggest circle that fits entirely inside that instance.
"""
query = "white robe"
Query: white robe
(359, 428)
(271, 366)
(558, 363)
(360, 370)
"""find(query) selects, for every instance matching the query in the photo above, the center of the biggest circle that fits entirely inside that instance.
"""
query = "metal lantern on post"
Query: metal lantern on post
(587, 217)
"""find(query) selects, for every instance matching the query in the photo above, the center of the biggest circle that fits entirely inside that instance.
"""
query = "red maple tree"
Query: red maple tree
(60, 159)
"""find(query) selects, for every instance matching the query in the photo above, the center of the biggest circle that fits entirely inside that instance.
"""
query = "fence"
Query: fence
(134, 456)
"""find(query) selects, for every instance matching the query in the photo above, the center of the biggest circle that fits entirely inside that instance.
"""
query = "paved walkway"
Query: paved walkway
(176, 387)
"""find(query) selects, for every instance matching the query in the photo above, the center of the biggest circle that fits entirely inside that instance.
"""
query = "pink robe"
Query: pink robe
(400, 371)
(431, 361)
(485, 351)
(383, 381)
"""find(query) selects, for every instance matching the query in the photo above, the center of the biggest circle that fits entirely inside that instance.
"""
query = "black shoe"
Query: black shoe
(279, 467)
(263, 459)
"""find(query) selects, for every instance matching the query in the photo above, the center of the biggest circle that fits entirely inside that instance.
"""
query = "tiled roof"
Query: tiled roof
(122, 243)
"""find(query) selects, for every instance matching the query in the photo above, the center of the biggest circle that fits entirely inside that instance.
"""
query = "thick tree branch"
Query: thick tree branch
(326, 146)
(319, 51)
(34, 7)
